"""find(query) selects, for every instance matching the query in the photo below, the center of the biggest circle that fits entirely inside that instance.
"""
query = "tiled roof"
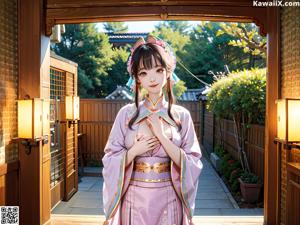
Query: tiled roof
(191, 94)
(121, 93)
(125, 37)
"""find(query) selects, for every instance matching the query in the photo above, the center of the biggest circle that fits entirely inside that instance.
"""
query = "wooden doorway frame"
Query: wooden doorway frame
(36, 18)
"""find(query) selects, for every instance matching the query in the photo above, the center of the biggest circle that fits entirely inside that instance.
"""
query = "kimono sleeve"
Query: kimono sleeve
(114, 171)
(186, 177)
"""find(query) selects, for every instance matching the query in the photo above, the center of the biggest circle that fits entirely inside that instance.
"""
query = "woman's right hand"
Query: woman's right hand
(144, 144)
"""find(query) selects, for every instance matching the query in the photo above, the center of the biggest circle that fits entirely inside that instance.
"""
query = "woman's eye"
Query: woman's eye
(142, 74)
(160, 70)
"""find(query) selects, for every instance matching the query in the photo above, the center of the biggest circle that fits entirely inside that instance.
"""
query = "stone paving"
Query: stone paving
(213, 197)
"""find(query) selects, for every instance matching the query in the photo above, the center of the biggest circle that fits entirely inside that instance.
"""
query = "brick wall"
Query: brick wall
(8, 79)
(290, 81)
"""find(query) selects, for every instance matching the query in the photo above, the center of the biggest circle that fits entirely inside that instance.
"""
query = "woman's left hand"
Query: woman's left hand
(156, 125)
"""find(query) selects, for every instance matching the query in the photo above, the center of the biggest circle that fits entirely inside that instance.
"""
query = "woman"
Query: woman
(152, 156)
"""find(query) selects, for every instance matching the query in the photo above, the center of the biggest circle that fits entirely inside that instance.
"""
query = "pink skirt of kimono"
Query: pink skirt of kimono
(151, 203)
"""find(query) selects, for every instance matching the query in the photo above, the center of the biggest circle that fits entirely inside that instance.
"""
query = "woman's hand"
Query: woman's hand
(144, 144)
(156, 125)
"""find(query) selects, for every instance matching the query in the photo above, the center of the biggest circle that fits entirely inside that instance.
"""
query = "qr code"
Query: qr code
(9, 215)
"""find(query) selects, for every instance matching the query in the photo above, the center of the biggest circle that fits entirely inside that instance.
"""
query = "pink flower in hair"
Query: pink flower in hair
(152, 40)
(161, 43)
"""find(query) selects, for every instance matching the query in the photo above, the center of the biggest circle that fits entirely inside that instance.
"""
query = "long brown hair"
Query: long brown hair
(144, 55)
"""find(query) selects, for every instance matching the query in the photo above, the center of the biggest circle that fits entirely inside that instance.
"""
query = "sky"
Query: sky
(140, 26)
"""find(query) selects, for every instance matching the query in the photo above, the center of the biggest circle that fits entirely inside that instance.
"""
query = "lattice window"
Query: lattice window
(57, 84)
(57, 94)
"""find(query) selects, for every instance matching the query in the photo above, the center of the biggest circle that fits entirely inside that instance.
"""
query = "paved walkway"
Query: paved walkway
(213, 198)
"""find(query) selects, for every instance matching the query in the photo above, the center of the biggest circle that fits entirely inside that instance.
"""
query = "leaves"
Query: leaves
(240, 94)
(116, 27)
(248, 37)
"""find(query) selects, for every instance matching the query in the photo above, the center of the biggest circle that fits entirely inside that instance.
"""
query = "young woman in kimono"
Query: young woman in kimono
(152, 156)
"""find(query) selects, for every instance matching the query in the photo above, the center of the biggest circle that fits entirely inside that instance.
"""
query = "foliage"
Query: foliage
(115, 27)
(224, 163)
(179, 88)
(174, 38)
(219, 150)
(182, 27)
(84, 84)
(233, 180)
(83, 44)
(231, 166)
(248, 37)
(240, 96)
(117, 75)
(250, 178)
(198, 50)
(206, 51)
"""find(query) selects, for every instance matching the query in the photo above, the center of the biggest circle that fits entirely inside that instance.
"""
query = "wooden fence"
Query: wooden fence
(97, 117)
(214, 128)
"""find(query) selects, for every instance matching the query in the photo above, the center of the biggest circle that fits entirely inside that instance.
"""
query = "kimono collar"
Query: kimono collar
(157, 105)
(160, 107)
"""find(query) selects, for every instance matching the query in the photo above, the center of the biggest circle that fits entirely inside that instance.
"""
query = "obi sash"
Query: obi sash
(151, 172)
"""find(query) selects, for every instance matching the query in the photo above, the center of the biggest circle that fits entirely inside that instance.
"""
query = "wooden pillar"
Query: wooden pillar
(34, 64)
(272, 165)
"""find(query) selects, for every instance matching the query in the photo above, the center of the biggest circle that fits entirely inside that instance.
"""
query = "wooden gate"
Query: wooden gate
(64, 163)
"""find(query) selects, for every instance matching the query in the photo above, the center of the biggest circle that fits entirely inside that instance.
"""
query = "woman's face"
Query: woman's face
(153, 79)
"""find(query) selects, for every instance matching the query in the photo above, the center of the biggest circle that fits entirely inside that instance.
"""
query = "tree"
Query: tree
(182, 27)
(206, 51)
(175, 39)
(116, 27)
(118, 74)
(240, 96)
(84, 84)
(246, 36)
(83, 44)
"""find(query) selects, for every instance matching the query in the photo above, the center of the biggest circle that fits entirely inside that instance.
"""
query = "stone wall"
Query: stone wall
(8, 79)
(290, 81)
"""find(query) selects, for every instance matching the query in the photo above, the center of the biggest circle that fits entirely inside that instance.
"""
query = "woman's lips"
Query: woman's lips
(153, 85)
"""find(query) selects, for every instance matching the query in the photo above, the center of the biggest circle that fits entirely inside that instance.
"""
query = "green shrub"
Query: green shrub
(233, 180)
(224, 163)
(232, 165)
(240, 96)
(250, 178)
(219, 151)
(240, 92)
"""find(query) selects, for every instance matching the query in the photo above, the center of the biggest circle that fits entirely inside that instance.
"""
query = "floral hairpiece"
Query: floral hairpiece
(153, 40)
(174, 78)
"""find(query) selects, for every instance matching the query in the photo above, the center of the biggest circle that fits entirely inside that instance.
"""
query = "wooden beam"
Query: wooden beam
(95, 3)
(101, 13)
(272, 157)
(34, 64)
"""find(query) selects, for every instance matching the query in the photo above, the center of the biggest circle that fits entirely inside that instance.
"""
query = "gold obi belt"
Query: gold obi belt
(151, 170)
(144, 167)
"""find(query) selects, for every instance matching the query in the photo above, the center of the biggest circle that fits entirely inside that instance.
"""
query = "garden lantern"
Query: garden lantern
(33, 122)
(72, 109)
(30, 118)
(288, 121)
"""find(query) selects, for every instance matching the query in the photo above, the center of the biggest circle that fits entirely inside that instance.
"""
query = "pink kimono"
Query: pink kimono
(131, 197)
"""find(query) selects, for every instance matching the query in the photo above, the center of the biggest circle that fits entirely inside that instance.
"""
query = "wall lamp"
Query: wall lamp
(288, 122)
(33, 122)
(72, 109)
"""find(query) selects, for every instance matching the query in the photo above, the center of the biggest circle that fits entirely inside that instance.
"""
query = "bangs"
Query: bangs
(148, 61)
(147, 57)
